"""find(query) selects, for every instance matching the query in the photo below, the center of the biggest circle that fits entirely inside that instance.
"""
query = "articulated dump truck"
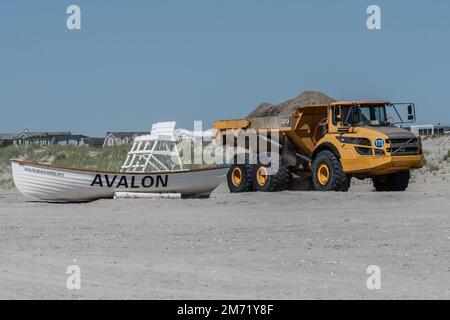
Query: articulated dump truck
(328, 145)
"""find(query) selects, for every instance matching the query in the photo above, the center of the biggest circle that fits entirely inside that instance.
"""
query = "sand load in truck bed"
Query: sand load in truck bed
(287, 107)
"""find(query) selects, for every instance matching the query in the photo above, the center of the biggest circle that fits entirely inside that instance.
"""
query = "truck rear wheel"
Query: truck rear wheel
(398, 181)
(264, 182)
(239, 178)
(327, 173)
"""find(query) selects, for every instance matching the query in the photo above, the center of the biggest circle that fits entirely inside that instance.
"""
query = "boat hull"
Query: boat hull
(50, 183)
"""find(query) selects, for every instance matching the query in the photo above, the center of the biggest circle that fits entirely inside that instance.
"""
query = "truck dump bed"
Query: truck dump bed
(302, 127)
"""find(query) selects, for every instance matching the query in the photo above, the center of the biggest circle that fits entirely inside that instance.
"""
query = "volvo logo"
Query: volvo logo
(379, 143)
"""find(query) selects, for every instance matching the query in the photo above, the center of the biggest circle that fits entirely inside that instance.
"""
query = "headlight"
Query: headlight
(358, 141)
(364, 151)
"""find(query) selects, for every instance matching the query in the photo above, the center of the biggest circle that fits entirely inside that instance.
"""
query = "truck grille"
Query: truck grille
(404, 147)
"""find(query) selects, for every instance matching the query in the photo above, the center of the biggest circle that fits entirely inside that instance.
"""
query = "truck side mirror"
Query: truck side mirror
(410, 110)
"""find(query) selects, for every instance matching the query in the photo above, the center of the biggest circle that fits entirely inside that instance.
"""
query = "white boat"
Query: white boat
(153, 165)
(52, 183)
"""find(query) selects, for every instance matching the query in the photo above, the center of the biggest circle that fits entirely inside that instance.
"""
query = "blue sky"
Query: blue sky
(140, 61)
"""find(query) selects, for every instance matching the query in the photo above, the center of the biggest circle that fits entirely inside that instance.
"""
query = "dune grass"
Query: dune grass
(108, 158)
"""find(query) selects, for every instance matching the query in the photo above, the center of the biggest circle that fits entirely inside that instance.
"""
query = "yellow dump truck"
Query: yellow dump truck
(330, 144)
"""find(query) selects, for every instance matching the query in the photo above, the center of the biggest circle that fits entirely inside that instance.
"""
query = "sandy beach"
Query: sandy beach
(286, 245)
(289, 245)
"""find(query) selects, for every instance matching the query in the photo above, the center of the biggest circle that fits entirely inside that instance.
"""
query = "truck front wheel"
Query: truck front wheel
(327, 173)
(393, 182)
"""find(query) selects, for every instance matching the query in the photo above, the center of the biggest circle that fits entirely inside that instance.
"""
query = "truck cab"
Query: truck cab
(368, 144)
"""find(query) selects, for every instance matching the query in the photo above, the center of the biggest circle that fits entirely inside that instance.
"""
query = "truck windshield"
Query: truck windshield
(364, 115)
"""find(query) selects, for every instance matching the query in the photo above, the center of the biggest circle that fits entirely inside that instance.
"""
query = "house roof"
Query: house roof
(43, 134)
(123, 134)
(8, 136)
(71, 136)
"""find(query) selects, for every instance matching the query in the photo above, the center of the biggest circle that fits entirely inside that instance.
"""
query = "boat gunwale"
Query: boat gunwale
(47, 166)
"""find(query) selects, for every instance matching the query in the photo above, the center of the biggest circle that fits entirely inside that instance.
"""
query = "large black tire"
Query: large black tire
(244, 182)
(246, 172)
(264, 182)
(327, 173)
(393, 182)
